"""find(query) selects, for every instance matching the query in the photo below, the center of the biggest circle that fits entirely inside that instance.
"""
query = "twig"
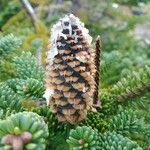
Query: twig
(30, 11)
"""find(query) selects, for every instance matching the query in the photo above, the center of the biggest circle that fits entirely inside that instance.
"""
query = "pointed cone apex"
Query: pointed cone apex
(71, 69)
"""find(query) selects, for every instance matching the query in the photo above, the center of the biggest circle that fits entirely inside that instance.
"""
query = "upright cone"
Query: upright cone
(70, 70)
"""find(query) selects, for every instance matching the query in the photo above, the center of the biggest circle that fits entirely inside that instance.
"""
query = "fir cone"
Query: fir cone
(70, 70)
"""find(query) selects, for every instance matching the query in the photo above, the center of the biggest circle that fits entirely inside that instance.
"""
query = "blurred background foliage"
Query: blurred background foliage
(122, 24)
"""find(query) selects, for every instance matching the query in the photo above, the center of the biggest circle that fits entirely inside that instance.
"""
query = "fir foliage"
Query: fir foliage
(109, 128)
(123, 120)
(8, 98)
(133, 85)
(111, 140)
(127, 123)
(54, 126)
(28, 128)
(8, 44)
(85, 138)
(96, 121)
(30, 88)
(27, 67)
(58, 131)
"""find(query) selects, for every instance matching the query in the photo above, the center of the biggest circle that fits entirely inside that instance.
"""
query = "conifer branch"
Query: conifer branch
(86, 138)
(133, 85)
(9, 99)
(8, 44)
(127, 123)
(27, 67)
(23, 130)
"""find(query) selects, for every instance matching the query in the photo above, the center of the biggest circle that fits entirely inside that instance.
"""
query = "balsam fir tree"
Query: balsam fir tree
(26, 122)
